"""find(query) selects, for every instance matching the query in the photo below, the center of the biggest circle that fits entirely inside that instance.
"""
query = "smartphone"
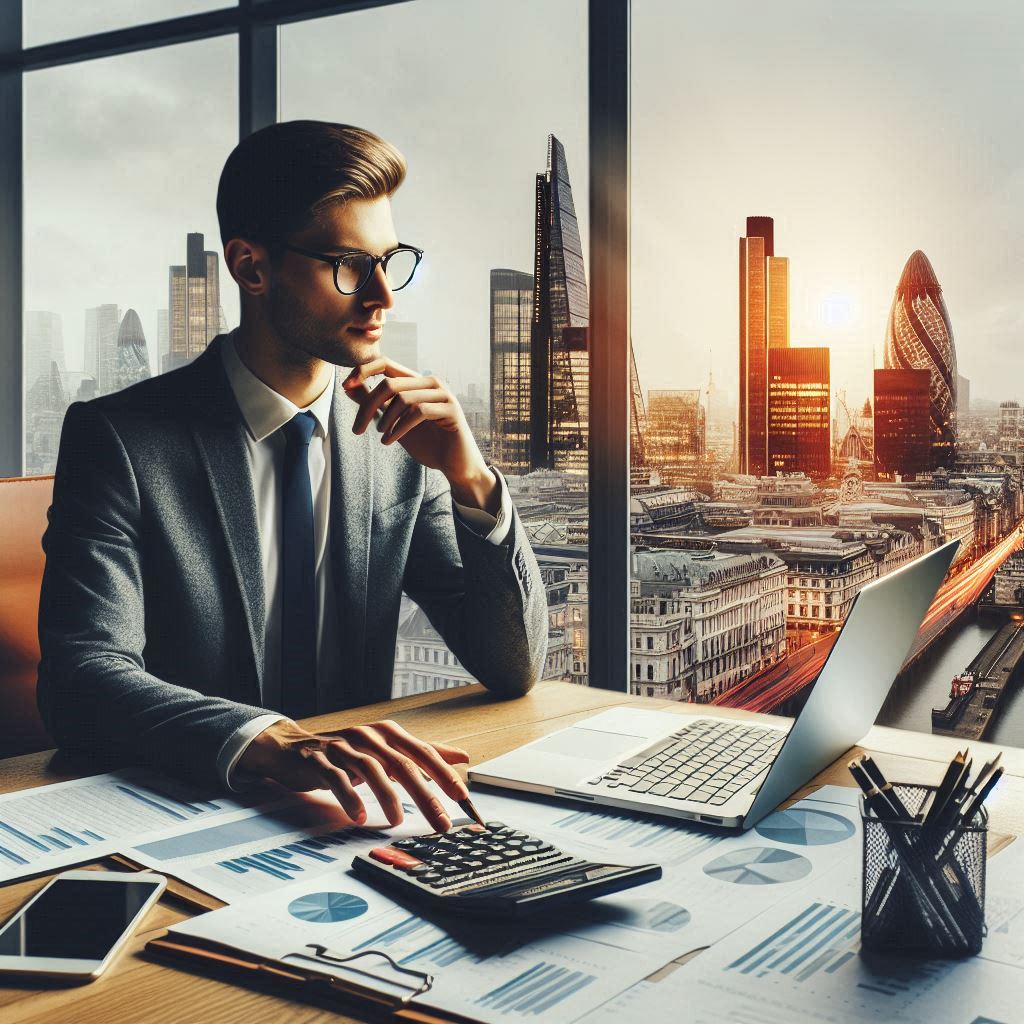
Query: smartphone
(74, 926)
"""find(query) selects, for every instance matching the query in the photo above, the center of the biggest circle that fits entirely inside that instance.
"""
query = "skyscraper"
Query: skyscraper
(511, 325)
(101, 324)
(44, 345)
(963, 398)
(919, 337)
(163, 339)
(559, 366)
(799, 401)
(902, 423)
(764, 324)
(676, 439)
(194, 313)
(132, 356)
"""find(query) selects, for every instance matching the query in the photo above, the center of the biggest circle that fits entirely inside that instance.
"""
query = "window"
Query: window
(469, 200)
(48, 21)
(120, 181)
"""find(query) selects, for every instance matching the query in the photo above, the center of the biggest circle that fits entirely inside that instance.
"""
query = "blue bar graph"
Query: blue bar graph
(283, 862)
(69, 835)
(536, 990)
(59, 843)
(12, 856)
(820, 938)
(156, 805)
(92, 835)
(679, 842)
(438, 948)
(24, 838)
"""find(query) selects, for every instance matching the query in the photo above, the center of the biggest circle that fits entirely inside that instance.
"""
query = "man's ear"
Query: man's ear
(247, 263)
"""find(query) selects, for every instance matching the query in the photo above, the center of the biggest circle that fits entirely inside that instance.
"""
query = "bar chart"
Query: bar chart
(666, 840)
(537, 990)
(73, 822)
(414, 941)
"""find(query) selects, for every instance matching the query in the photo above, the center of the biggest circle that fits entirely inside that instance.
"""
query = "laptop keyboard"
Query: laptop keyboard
(706, 762)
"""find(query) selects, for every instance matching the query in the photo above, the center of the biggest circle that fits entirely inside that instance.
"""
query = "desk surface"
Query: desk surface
(138, 989)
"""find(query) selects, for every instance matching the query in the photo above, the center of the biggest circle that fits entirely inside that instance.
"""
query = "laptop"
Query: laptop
(731, 772)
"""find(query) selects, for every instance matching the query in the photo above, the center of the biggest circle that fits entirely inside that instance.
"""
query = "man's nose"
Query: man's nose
(377, 291)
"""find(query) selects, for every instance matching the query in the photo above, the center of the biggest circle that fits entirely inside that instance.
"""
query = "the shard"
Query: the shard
(919, 336)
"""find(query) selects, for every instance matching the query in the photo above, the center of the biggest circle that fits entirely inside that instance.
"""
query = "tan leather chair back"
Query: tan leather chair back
(23, 505)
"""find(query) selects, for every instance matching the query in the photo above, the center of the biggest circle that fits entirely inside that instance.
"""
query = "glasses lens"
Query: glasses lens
(353, 272)
(401, 265)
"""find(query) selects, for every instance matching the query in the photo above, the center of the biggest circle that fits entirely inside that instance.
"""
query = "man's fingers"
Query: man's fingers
(406, 772)
(379, 365)
(344, 754)
(340, 785)
(412, 419)
(430, 758)
(404, 401)
(384, 393)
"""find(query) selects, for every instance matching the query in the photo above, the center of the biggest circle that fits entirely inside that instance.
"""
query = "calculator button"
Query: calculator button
(396, 858)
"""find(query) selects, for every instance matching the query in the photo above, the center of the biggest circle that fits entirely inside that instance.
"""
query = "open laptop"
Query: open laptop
(727, 771)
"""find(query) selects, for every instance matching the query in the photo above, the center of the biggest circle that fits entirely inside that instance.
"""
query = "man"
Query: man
(228, 542)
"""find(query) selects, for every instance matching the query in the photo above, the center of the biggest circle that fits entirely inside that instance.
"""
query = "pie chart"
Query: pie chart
(759, 865)
(802, 827)
(327, 907)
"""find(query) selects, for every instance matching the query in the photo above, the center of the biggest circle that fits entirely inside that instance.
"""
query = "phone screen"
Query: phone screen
(75, 919)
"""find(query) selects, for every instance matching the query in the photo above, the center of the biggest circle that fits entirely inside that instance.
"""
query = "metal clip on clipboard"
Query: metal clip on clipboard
(322, 956)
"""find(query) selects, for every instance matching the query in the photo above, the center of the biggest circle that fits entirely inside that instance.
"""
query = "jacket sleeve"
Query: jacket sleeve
(94, 693)
(486, 600)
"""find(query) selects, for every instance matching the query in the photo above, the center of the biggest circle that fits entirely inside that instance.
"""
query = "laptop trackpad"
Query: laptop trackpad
(587, 744)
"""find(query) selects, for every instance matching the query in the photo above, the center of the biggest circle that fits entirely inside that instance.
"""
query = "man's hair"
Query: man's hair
(279, 179)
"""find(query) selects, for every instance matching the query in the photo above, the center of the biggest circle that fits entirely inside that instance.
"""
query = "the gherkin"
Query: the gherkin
(919, 336)
(132, 363)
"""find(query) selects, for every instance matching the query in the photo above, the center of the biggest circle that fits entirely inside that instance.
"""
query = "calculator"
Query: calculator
(492, 869)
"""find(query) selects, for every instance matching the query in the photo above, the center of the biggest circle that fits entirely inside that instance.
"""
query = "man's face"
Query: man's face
(304, 308)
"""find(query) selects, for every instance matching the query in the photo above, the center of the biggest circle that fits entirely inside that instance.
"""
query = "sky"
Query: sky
(867, 131)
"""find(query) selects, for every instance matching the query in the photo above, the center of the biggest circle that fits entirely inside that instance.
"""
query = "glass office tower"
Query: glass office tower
(919, 337)
(193, 302)
(559, 367)
(799, 428)
(903, 433)
(764, 325)
(511, 324)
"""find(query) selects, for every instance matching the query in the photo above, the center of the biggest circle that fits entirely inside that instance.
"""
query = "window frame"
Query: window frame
(255, 23)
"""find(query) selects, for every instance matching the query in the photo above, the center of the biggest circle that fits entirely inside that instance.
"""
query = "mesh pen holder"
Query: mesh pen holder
(923, 892)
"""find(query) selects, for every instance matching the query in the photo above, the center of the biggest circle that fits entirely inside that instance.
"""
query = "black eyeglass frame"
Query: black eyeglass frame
(336, 261)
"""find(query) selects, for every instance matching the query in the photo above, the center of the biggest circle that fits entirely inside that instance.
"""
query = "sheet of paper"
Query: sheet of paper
(270, 847)
(800, 963)
(713, 881)
(69, 823)
(1004, 906)
(490, 972)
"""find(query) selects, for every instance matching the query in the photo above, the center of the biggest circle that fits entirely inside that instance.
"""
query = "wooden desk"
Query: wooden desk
(139, 990)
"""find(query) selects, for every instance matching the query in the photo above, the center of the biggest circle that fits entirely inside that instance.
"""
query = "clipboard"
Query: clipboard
(318, 973)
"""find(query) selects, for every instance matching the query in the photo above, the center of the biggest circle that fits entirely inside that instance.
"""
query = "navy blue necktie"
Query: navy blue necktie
(298, 573)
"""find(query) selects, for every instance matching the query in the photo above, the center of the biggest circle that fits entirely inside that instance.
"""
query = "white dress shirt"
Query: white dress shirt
(265, 412)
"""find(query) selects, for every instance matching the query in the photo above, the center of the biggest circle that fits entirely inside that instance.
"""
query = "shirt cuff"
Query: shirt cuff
(491, 528)
(236, 746)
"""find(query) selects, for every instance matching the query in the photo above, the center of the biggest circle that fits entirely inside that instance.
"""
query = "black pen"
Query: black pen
(874, 773)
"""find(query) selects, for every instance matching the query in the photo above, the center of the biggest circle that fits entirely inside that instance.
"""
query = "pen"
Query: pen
(467, 806)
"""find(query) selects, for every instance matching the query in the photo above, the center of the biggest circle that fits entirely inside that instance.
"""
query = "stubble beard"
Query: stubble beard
(303, 335)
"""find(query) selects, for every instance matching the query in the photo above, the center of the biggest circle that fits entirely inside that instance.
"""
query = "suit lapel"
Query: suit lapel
(350, 518)
(219, 431)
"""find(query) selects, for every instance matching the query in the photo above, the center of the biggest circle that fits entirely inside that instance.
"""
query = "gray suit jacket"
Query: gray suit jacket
(152, 606)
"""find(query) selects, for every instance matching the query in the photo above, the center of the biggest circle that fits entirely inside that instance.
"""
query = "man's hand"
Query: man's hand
(426, 418)
(376, 754)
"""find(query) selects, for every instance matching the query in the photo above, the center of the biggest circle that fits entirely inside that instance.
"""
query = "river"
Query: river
(927, 685)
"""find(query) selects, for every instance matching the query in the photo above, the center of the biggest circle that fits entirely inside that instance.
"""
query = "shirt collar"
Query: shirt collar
(263, 409)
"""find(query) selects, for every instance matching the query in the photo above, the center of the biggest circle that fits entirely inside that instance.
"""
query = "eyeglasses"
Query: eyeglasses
(352, 270)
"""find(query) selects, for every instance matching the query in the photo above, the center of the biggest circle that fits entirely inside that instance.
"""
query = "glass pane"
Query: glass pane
(824, 290)
(50, 21)
(122, 268)
(488, 144)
